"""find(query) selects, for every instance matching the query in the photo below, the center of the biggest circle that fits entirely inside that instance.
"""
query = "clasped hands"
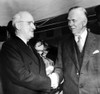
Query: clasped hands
(54, 80)
(53, 76)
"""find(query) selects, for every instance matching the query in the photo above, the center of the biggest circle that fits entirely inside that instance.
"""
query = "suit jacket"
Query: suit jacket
(23, 71)
(84, 80)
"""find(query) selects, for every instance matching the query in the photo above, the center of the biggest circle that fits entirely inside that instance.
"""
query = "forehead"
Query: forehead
(26, 17)
(38, 44)
(76, 14)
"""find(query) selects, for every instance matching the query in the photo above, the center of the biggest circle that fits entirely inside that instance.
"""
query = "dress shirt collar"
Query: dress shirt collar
(83, 37)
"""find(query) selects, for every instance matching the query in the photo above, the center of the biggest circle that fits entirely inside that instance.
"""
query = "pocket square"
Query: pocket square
(96, 51)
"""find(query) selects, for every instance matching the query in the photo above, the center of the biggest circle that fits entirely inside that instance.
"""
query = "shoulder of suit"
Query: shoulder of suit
(10, 43)
(96, 36)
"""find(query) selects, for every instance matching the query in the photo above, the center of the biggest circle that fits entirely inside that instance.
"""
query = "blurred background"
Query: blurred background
(49, 15)
(40, 9)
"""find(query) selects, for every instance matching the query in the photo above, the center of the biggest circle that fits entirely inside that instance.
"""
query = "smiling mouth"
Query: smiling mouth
(72, 28)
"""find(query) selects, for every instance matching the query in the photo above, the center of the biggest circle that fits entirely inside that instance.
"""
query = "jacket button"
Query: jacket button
(77, 73)
(81, 86)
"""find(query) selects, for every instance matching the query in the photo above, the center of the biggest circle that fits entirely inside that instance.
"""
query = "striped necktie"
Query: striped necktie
(79, 43)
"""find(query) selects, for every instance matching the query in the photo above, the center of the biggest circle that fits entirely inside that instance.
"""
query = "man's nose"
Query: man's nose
(70, 23)
(33, 26)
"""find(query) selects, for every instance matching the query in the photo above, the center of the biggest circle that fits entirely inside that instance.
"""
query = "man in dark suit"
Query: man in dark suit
(23, 71)
(80, 64)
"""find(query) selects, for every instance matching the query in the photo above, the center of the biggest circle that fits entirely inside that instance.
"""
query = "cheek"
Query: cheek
(30, 31)
(25, 29)
(40, 53)
(79, 25)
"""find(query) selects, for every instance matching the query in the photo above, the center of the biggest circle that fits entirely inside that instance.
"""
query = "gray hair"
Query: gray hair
(19, 16)
(80, 8)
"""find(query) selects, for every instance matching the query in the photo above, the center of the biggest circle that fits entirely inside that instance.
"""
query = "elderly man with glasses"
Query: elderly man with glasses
(23, 70)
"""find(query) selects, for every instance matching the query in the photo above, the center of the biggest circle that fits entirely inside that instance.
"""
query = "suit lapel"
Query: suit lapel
(90, 46)
(73, 54)
(26, 49)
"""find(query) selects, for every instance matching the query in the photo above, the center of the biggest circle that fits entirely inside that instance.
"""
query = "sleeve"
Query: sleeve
(19, 74)
(59, 63)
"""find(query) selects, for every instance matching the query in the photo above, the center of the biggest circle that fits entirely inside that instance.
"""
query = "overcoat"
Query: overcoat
(23, 71)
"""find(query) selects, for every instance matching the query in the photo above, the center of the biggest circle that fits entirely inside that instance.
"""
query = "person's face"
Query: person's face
(45, 52)
(39, 47)
(76, 21)
(27, 26)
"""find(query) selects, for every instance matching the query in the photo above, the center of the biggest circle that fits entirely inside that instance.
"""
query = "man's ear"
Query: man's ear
(17, 25)
(84, 22)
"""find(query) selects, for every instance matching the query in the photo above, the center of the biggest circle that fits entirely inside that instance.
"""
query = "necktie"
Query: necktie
(79, 43)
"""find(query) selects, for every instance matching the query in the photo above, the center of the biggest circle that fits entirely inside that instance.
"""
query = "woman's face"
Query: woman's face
(45, 52)
(39, 47)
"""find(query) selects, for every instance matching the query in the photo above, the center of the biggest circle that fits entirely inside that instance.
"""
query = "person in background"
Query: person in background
(23, 71)
(52, 52)
(79, 56)
(95, 27)
(10, 30)
(43, 48)
(1, 89)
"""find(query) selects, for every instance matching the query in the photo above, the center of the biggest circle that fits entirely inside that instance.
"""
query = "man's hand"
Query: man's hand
(54, 80)
(49, 70)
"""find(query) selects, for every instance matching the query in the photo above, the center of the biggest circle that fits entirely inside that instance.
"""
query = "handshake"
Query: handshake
(53, 76)
(54, 80)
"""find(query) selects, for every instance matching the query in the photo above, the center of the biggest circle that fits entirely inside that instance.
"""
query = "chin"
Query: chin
(74, 32)
(32, 35)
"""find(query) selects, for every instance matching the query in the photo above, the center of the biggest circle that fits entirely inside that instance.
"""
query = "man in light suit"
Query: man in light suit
(23, 70)
(80, 65)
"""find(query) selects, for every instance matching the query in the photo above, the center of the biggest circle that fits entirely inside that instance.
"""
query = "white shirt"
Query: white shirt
(83, 37)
